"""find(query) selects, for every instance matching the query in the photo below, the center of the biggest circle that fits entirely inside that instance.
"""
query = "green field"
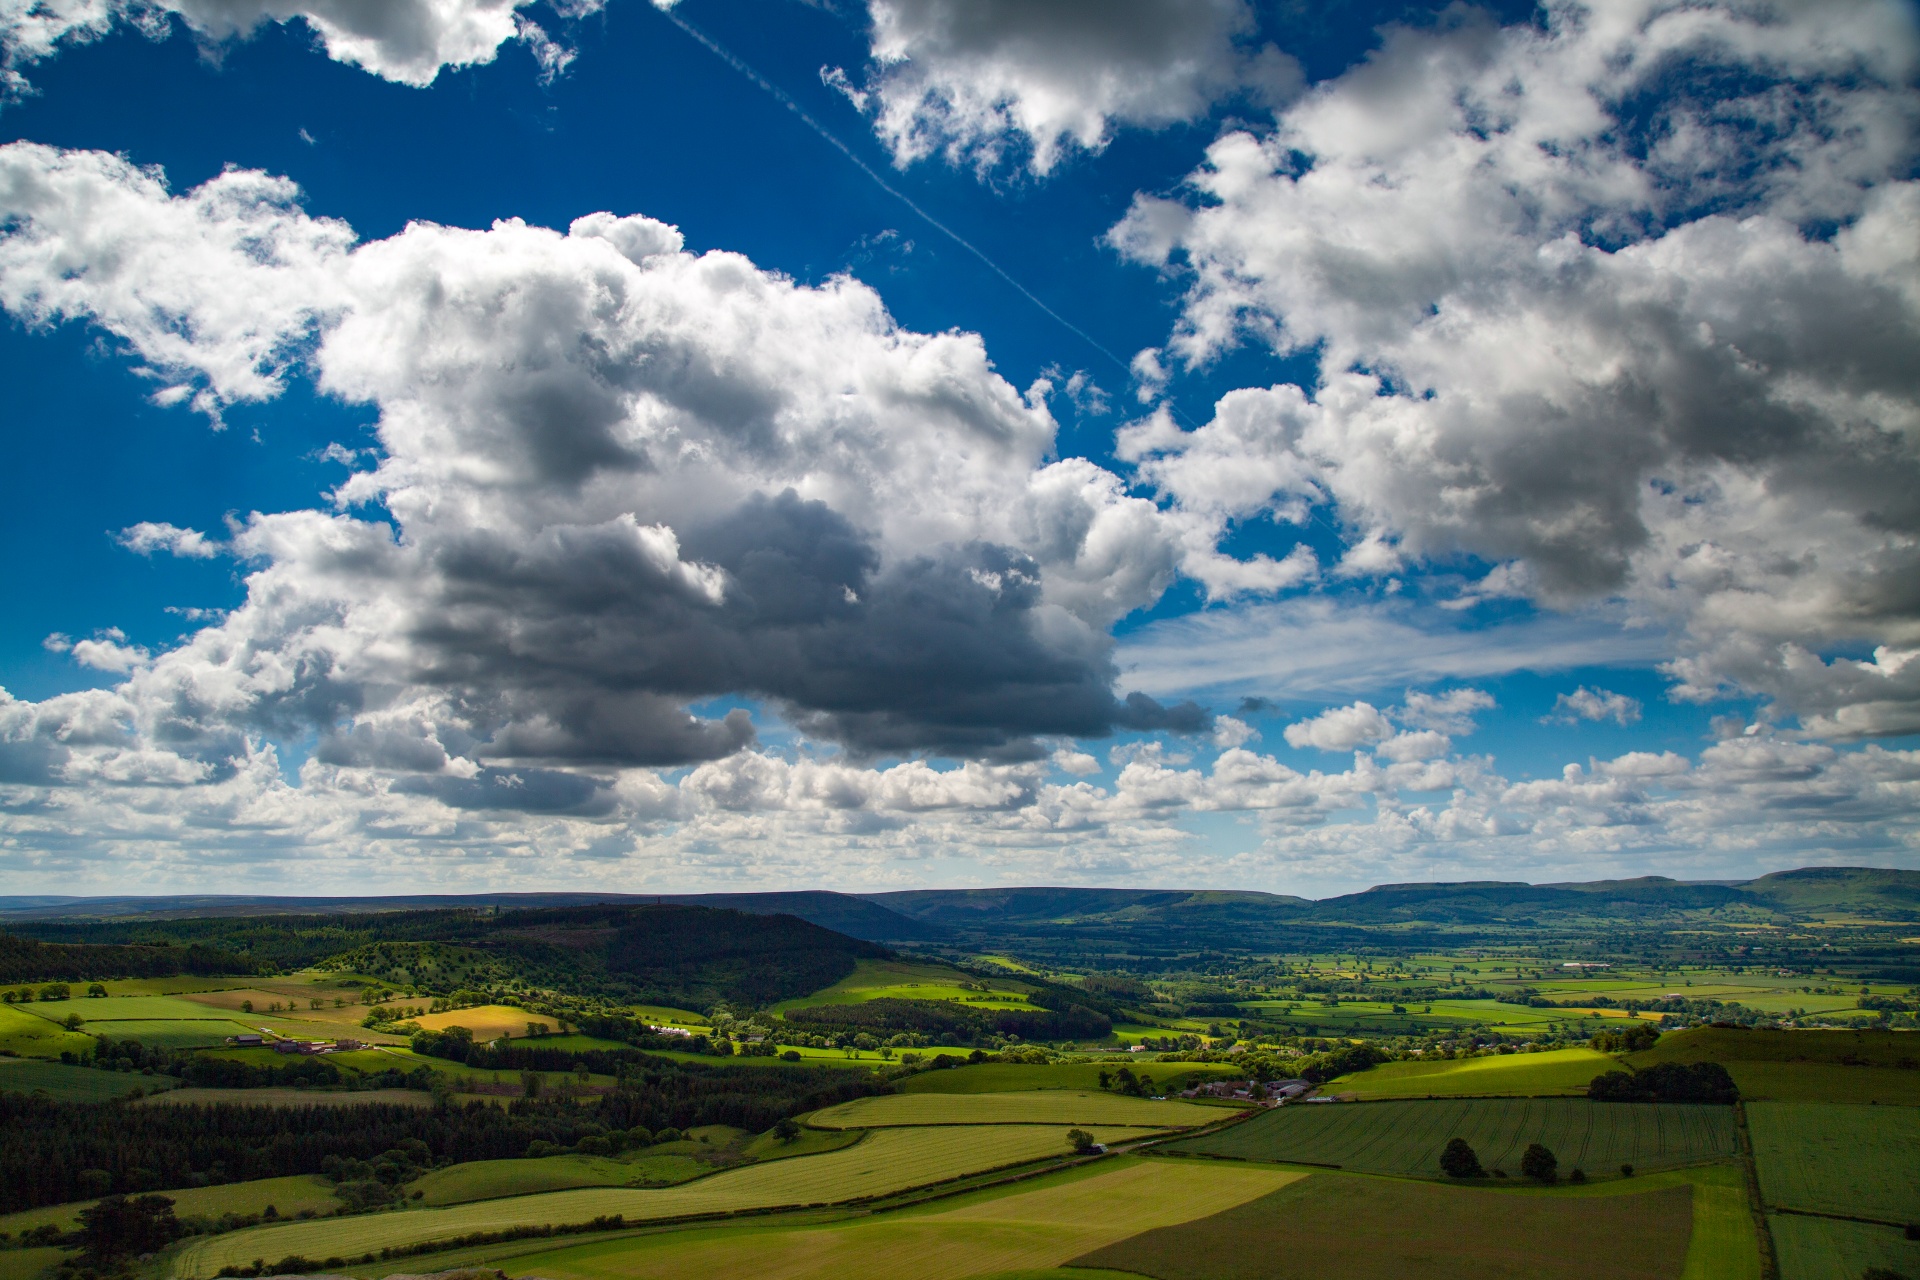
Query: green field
(170, 1033)
(279, 1097)
(1803, 1066)
(1559, 1071)
(1052, 1106)
(885, 1162)
(491, 1179)
(117, 1008)
(28, 1264)
(1406, 1137)
(1013, 1077)
(29, 1036)
(288, 1196)
(1334, 1225)
(906, 980)
(1007, 1231)
(1826, 1249)
(72, 1084)
(1860, 1162)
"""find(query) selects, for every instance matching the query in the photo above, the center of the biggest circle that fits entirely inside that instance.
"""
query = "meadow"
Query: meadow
(1025, 1228)
(907, 980)
(1803, 1066)
(1014, 1077)
(1558, 1071)
(491, 1179)
(885, 1162)
(1854, 1161)
(288, 1196)
(29, 1036)
(1828, 1249)
(72, 1084)
(1406, 1137)
(1053, 1106)
(1310, 1230)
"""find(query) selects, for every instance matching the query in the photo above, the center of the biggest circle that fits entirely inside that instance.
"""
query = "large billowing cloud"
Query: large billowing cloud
(1626, 304)
(615, 479)
(407, 41)
(976, 80)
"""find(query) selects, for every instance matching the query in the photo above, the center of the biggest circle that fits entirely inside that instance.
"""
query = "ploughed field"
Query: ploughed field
(885, 1162)
(1406, 1137)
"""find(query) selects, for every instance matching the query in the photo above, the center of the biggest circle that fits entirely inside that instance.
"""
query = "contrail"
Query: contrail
(725, 55)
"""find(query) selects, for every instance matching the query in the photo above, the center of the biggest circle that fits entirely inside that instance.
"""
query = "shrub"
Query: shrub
(1081, 1141)
(1539, 1164)
(1578, 1175)
(1458, 1160)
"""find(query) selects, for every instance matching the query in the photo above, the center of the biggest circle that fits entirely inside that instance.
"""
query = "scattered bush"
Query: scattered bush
(1458, 1160)
(1539, 1164)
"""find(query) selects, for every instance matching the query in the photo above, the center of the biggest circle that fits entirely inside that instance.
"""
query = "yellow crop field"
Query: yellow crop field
(1024, 1231)
(487, 1021)
(886, 1161)
(1053, 1106)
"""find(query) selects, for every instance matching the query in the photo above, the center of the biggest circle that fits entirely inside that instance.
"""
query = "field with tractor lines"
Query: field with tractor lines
(1860, 1162)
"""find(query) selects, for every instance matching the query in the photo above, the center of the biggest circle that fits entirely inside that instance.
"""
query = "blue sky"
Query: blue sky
(1466, 444)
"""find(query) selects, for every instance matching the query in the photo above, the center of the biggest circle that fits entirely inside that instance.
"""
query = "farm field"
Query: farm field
(487, 1021)
(1308, 1230)
(885, 1162)
(1013, 1077)
(170, 1033)
(1021, 1229)
(72, 1084)
(1406, 1137)
(29, 1036)
(491, 1179)
(279, 1097)
(905, 980)
(1826, 1249)
(1053, 1106)
(28, 1264)
(288, 1196)
(1803, 1066)
(1826, 1082)
(1856, 1161)
(1559, 1071)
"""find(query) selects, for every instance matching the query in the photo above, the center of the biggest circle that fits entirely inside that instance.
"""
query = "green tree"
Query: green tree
(55, 991)
(1540, 1164)
(96, 991)
(1081, 1141)
(786, 1130)
(119, 1227)
(1458, 1160)
(531, 1082)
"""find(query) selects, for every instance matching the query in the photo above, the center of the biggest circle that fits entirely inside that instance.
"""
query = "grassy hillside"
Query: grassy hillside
(1561, 1071)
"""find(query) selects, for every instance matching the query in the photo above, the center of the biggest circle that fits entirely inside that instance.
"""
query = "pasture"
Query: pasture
(288, 1196)
(887, 1161)
(1405, 1138)
(1053, 1106)
(1827, 1249)
(1361, 1228)
(170, 1033)
(29, 1036)
(72, 1084)
(907, 980)
(1803, 1066)
(1856, 1161)
(491, 1179)
(282, 1097)
(1014, 1077)
(28, 1264)
(1020, 1229)
(1559, 1071)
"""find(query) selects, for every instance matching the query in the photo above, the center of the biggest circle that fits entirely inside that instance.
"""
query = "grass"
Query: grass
(1854, 1161)
(1724, 1246)
(28, 1264)
(908, 980)
(1053, 1106)
(1361, 1228)
(1737, 1044)
(28, 1036)
(486, 1021)
(278, 1097)
(1012, 1077)
(1030, 1231)
(1826, 1082)
(1559, 1071)
(170, 1033)
(491, 1179)
(288, 1196)
(885, 1162)
(1826, 1249)
(72, 1084)
(1406, 1137)
(116, 1008)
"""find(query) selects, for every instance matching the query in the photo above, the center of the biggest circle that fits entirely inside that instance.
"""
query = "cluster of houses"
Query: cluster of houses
(1275, 1091)
(251, 1040)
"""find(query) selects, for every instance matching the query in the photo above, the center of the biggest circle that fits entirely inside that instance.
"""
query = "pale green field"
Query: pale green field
(1052, 1106)
(37, 1037)
(113, 1008)
(1013, 1077)
(491, 1179)
(904, 980)
(170, 1033)
(1028, 1230)
(1560, 1071)
(288, 1196)
(885, 1162)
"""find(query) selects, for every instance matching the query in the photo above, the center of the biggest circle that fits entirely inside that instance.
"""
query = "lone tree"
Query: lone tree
(1080, 1140)
(119, 1227)
(1538, 1163)
(786, 1130)
(1458, 1160)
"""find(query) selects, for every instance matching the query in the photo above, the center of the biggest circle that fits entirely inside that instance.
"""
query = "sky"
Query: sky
(460, 445)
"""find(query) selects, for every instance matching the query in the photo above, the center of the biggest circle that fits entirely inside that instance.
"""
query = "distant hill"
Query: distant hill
(1871, 890)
